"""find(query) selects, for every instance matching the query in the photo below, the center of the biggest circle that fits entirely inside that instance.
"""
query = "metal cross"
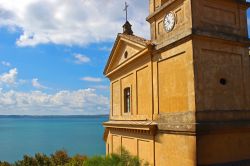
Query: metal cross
(126, 9)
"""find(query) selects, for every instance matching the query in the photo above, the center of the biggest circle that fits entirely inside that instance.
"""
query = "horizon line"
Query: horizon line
(59, 115)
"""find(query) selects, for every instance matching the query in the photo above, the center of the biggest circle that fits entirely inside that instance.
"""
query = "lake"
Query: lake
(21, 135)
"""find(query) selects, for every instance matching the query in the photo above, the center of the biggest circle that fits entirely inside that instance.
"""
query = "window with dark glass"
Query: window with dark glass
(127, 101)
(126, 54)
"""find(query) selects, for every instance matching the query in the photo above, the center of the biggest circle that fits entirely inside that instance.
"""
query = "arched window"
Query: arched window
(127, 102)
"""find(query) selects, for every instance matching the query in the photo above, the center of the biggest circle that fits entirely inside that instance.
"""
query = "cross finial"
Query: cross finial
(126, 10)
(127, 26)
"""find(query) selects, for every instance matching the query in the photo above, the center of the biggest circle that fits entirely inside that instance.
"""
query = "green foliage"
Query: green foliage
(97, 160)
(128, 160)
(61, 158)
(4, 163)
(27, 161)
(125, 159)
(42, 159)
(77, 160)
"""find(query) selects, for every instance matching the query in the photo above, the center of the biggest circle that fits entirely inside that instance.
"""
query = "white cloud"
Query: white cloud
(74, 22)
(80, 59)
(9, 78)
(83, 101)
(36, 84)
(105, 48)
(62, 102)
(101, 87)
(91, 79)
(4, 63)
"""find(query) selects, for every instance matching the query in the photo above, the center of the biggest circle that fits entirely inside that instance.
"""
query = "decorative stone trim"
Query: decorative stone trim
(222, 115)
(136, 131)
(203, 121)
(179, 117)
(189, 122)
(141, 127)
(177, 121)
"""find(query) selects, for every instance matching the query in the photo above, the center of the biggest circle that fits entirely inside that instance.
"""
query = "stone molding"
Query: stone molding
(201, 33)
(187, 122)
(142, 127)
(204, 121)
(222, 115)
(151, 17)
(220, 35)
(177, 121)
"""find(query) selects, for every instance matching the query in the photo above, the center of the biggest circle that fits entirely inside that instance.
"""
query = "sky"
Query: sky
(53, 52)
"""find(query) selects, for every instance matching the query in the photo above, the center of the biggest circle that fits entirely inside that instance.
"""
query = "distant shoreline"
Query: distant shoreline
(51, 116)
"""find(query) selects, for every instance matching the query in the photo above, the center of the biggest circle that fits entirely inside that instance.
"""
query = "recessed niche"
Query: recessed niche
(223, 81)
(126, 54)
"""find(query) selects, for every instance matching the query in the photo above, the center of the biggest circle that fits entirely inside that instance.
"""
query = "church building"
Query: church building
(183, 97)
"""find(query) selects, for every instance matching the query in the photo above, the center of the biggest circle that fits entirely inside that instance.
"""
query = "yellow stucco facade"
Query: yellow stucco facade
(183, 97)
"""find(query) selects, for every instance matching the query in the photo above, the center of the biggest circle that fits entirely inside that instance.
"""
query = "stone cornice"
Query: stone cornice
(160, 9)
(189, 33)
(132, 39)
(245, 4)
(146, 127)
(222, 115)
(221, 35)
(144, 51)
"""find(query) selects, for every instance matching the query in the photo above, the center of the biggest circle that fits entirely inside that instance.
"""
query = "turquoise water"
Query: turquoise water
(28, 135)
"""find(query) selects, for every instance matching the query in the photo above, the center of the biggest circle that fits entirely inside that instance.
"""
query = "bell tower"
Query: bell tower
(201, 80)
(183, 97)
(164, 14)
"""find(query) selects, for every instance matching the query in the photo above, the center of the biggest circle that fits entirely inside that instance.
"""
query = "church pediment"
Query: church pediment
(125, 48)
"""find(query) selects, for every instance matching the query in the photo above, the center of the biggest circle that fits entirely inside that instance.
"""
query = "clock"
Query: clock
(169, 21)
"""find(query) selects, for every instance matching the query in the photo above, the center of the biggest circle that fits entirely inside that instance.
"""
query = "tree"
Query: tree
(60, 158)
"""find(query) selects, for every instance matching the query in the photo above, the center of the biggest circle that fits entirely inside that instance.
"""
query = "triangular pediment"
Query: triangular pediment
(125, 48)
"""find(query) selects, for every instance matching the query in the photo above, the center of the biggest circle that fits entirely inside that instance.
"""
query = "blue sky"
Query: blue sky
(53, 52)
(55, 66)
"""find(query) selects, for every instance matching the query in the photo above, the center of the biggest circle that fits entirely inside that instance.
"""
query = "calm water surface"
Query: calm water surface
(28, 135)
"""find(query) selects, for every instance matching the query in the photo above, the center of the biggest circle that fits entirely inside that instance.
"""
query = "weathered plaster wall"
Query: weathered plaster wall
(216, 60)
(175, 150)
(219, 16)
(223, 147)
(175, 75)
(135, 143)
(138, 76)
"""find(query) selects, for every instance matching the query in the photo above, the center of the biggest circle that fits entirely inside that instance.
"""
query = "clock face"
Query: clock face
(169, 21)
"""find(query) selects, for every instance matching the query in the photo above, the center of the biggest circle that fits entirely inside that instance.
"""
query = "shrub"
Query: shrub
(27, 161)
(4, 163)
(77, 160)
(61, 158)
(125, 159)
(43, 160)
(97, 161)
